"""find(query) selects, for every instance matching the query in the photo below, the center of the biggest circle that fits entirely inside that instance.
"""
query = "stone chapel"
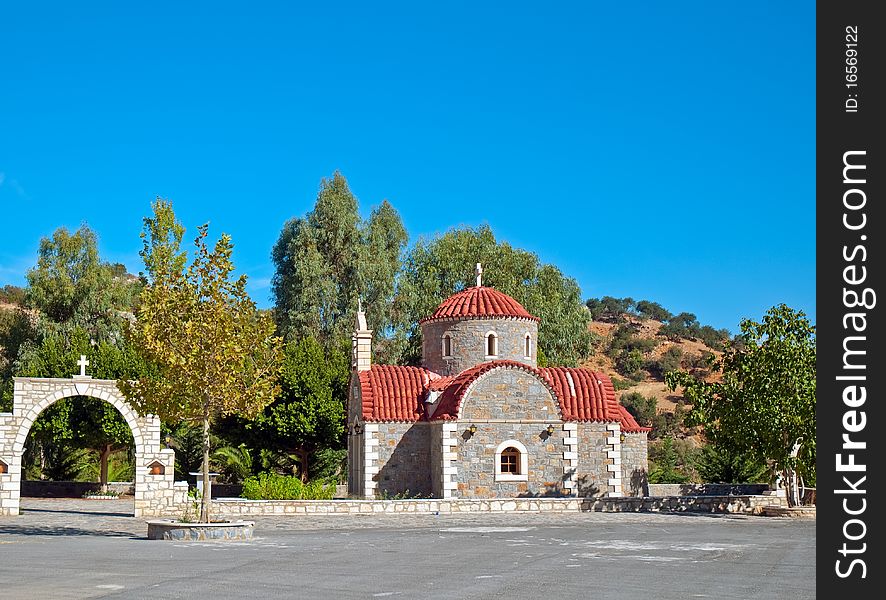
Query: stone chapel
(480, 419)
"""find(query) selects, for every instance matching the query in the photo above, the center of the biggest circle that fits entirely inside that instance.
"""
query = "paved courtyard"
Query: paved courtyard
(64, 548)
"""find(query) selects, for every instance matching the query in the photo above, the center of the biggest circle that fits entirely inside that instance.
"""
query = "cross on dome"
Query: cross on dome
(479, 272)
(82, 363)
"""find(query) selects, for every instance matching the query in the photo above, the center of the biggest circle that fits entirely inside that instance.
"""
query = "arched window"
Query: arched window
(491, 344)
(511, 462)
(527, 346)
(447, 345)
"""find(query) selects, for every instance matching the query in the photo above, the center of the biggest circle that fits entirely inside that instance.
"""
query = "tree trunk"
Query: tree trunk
(103, 455)
(207, 491)
(303, 455)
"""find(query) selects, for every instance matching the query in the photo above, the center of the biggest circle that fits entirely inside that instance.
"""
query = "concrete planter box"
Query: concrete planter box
(168, 529)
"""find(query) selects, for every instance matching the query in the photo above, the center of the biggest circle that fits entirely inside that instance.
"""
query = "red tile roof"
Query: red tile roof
(587, 395)
(392, 393)
(479, 302)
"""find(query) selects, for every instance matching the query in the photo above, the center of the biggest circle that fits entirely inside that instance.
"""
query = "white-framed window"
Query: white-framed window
(491, 344)
(511, 461)
(527, 346)
(447, 346)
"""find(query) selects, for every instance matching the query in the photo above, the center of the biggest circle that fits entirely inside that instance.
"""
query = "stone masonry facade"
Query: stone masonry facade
(404, 461)
(634, 462)
(156, 492)
(468, 343)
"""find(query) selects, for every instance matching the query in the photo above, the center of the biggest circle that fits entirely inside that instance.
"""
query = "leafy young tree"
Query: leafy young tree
(329, 259)
(435, 269)
(213, 352)
(309, 415)
(764, 404)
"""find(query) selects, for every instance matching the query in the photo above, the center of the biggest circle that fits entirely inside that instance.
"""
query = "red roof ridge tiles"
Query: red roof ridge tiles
(479, 301)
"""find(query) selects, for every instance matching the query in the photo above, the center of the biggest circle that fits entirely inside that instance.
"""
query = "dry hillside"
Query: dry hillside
(645, 329)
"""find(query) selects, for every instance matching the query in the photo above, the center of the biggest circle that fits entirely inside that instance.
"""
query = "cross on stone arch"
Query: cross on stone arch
(82, 363)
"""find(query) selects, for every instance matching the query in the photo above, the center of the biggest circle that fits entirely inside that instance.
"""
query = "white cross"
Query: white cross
(479, 272)
(82, 363)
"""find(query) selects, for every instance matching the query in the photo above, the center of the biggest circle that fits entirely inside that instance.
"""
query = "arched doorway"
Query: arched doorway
(156, 493)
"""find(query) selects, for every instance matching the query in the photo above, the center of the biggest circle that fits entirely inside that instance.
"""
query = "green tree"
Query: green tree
(435, 269)
(723, 464)
(72, 287)
(214, 353)
(764, 404)
(329, 259)
(17, 328)
(309, 415)
(665, 464)
(653, 310)
(610, 309)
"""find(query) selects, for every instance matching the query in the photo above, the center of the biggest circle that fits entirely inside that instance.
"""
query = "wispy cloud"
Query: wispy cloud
(14, 185)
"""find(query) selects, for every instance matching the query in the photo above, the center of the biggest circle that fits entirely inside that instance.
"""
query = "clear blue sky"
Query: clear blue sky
(657, 150)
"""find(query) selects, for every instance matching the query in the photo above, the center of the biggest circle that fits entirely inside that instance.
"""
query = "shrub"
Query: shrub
(669, 361)
(622, 384)
(643, 409)
(271, 486)
(629, 363)
(719, 464)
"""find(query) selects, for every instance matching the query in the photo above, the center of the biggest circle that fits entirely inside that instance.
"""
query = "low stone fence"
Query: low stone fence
(237, 507)
(707, 489)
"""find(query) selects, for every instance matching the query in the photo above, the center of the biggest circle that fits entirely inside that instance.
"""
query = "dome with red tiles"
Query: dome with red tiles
(479, 302)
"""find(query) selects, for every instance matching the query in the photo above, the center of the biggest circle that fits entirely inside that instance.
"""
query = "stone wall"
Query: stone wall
(634, 465)
(404, 460)
(707, 489)
(475, 465)
(749, 505)
(435, 439)
(592, 477)
(356, 486)
(468, 343)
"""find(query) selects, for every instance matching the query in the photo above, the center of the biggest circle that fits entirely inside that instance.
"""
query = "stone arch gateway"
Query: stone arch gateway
(156, 494)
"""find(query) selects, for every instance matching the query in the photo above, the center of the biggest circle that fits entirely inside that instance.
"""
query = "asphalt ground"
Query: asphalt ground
(66, 548)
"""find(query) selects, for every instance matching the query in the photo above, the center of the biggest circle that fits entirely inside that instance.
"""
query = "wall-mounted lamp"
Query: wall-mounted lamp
(550, 430)
(621, 438)
(472, 429)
